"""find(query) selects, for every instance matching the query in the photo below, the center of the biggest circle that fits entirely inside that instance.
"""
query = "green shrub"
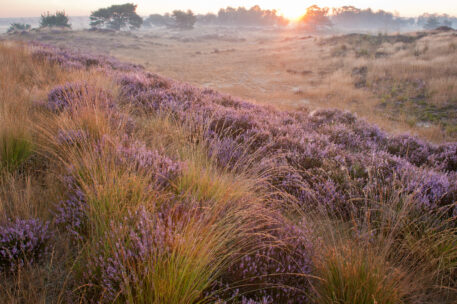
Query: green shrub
(19, 27)
(59, 19)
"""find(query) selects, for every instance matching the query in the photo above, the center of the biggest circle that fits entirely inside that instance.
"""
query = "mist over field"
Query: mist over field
(343, 19)
(240, 156)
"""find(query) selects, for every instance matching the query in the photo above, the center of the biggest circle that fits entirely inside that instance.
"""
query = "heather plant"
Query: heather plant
(72, 60)
(413, 149)
(445, 158)
(71, 213)
(277, 270)
(65, 97)
(140, 158)
(22, 243)
(122, 261)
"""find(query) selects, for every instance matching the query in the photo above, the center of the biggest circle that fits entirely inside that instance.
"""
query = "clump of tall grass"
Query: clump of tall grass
(351, 274)
(15, 144)
(390, 252)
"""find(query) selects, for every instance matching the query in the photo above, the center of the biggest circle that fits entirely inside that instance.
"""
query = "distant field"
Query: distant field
(403, 83)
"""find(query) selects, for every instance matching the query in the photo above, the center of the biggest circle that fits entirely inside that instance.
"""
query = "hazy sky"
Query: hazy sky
(289, 8)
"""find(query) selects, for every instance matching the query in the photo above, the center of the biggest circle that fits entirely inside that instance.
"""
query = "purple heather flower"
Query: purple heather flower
(23, 242)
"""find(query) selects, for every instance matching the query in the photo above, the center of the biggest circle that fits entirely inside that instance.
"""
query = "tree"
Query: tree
(316, 18)
(432, 23)
(159, 20)
(255, 16)
(59, 19)
(19, 27)
(116, 17)
(184, 20)
(352, 18)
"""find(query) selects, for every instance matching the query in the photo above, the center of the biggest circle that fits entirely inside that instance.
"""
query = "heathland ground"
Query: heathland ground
(403, 83)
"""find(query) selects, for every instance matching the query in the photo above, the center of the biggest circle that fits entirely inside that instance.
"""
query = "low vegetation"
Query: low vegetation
(404, 83)
(119, 185)
(19, 27)
(59, 19)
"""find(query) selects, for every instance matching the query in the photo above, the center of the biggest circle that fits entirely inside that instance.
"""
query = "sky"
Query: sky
(288, 8)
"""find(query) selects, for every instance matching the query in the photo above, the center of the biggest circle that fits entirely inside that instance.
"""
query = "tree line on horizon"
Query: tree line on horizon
(315, 18)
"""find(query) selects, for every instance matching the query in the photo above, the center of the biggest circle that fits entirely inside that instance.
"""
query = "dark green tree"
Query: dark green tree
(184, 20)
(59, 19)
(116, 17)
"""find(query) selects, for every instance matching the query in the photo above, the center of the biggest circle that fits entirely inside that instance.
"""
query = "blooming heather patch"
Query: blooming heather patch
(63, 97)
(124, 260)
(22, 242)
(445, 158)
(132, 243)
(140, 158)
(71, 212)
(76, 60)
(332, 154)
(277, 271)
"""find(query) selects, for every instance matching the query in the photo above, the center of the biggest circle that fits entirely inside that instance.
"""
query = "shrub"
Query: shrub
(59, 19)
(15, 27)
(22, 242)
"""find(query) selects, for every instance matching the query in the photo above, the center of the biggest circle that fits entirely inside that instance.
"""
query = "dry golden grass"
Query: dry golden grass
(29, 191)
(230, 204)
(287, 69)
(412, 258)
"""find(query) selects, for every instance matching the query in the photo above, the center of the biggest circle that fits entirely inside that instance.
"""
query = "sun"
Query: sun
(292, 13)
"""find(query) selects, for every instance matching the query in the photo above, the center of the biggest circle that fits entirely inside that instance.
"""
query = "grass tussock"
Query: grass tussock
(352, 275)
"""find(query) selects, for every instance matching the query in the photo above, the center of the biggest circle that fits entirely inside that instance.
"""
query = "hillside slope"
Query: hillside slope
(400, 82)
(118, 185)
